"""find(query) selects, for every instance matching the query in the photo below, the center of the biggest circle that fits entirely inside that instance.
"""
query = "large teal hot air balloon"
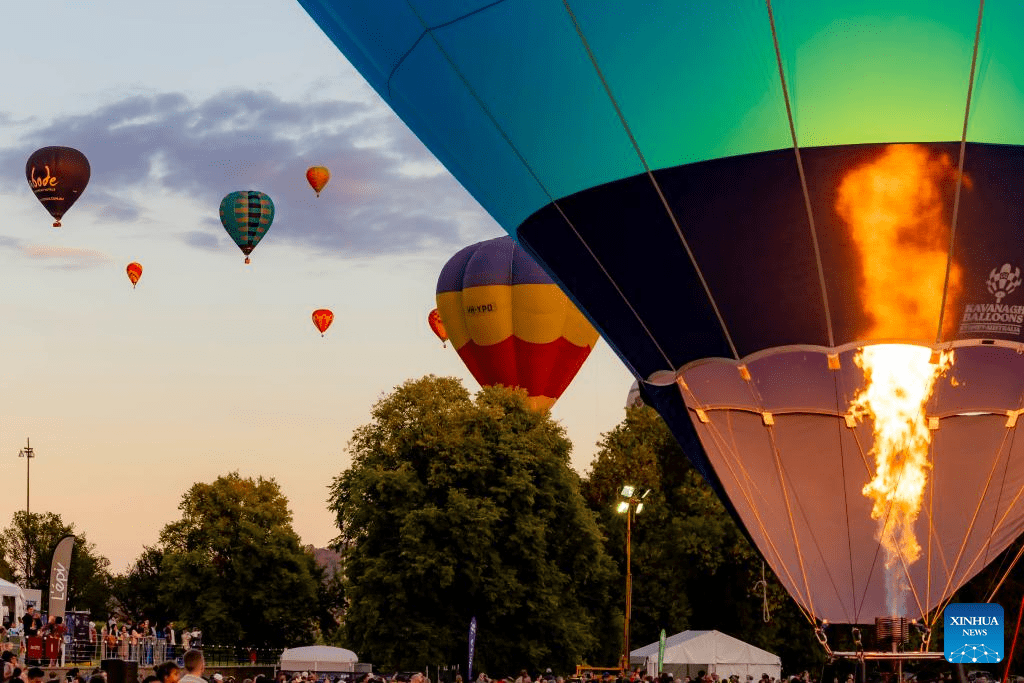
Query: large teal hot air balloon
(740, 196)
(247, 216)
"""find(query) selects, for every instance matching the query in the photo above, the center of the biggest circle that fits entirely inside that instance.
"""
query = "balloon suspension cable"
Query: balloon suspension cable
(762, 585)
(819, 633)
(926, 637)
(1013, 643)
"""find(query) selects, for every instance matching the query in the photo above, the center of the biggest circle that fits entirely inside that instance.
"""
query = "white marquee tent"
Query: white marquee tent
(11, 595)
(688, 652)
(319, 659)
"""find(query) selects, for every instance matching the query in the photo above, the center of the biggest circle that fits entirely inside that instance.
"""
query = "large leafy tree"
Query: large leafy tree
(28, 545)
(457, 508)
(233, 566)
(137, 590)
(692, 566)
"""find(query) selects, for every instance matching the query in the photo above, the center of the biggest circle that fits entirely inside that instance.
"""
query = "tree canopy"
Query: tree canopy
(456, 508)
(233, 566)
(27, 545)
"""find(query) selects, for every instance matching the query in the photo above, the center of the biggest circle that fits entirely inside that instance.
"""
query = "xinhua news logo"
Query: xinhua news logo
(973, 632)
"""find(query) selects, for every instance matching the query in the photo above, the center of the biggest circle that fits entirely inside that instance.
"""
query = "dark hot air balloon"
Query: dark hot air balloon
(57, 176)
(322, 319)
(247, 216)
(317, 176)
(750, 201)
(510, 323)
(134, 272)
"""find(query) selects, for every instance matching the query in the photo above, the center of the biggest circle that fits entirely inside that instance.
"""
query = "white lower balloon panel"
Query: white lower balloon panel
(794, 470)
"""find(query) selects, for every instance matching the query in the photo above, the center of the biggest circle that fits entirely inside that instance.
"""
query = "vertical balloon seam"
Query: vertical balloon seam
(960, 174)
(508, 140)
(657, 186)
(759, 402)
(1009, 433)
(808, 610)
(836, 378)
(719, 440)
(803, 178)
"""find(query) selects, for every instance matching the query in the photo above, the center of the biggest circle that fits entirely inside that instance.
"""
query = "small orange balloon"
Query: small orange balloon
(318, 177)
(322, 318)
(134, 272)
(434, 320)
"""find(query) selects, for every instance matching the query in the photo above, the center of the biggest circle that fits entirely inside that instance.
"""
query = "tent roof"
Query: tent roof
(707, 647)
(315, 657)
(8, 588)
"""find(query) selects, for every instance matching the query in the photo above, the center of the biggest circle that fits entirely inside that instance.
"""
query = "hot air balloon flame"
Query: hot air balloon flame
(897, 214)
(899, 379)
(896, 210)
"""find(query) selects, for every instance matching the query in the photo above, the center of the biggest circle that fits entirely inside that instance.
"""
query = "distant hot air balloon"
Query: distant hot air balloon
(57, 176)
(322, 319)
(510, 322)
(247, 216)
(318, 177)
(633, 397)
(437, 325)
(134, 272)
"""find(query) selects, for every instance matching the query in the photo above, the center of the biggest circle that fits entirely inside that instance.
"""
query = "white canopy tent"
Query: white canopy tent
(688, 652)
(12, 597)
(319, 659)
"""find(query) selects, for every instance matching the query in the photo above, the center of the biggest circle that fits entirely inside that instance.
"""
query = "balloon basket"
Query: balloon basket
(56, 224)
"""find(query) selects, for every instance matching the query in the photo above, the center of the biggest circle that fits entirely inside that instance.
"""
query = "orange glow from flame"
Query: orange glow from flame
(897, 210)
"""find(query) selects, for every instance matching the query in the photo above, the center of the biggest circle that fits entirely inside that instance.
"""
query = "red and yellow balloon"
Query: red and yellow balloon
(322, 319)
(134, 272)
(510, 323)
(437, 325)
(317, 176)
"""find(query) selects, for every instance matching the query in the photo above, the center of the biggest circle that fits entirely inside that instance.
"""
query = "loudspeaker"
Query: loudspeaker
(120, 671)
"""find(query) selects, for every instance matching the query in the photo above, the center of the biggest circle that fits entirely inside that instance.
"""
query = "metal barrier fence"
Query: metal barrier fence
(152, 651)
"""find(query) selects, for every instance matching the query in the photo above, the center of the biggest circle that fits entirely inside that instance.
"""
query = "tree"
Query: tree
(692, 565)
(457, 508)
(28, 545)
(137, 591)
(233, 566)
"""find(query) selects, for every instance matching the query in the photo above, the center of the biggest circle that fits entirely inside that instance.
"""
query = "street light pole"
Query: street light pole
(28, 454)
(629, 586)
(631, 503)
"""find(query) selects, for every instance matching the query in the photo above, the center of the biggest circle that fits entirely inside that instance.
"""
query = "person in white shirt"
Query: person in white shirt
(194, 667)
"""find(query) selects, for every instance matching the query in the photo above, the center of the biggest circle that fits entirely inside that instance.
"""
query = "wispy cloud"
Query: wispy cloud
(386, 193)
(66, 258)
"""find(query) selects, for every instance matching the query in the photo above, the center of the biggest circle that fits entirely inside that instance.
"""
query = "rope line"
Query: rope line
(803, 177)
(654, 181)
(960, 174)
(515, 150)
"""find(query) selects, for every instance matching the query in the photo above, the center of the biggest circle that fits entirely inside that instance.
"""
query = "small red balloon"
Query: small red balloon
(134, 272)
(437, 325)
(322, 319)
